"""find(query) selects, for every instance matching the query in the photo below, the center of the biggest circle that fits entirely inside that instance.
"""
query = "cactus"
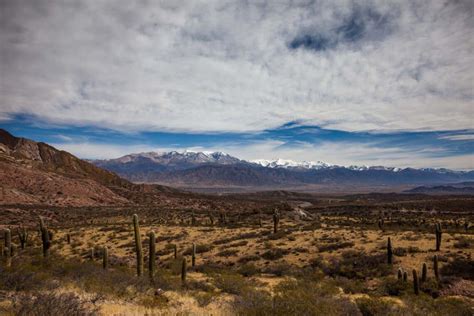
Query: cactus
(68, 238)
(405, 276)
(175, 248)
(92, 254)
(424, 271)
(138, 245)
(151, 255)
(435, 267)
(416, 285)
(211, 219)
(466, 226)
(45, 238)
(389, 251)
(23, 236)
(193, 219)
(8, 246)
(276, 220)
(193, 261)
(400, 274)
(183, 270)
(105, 258)
(438, 233)
(260, 219)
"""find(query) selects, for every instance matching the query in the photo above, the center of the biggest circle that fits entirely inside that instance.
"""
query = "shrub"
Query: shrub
(274, 254)
(369, 306)
(459, 267)
(227, 253)
(248, 269)
(353, 264)
(200, 248)
(463, 242)
(335, 246)
(231, 283)
(52, 305)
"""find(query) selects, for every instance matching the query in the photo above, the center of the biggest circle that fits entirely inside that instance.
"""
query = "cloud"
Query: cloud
(459, 137)
(213, 66)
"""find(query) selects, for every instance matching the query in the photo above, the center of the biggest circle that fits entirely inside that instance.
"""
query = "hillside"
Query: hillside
(37, 173)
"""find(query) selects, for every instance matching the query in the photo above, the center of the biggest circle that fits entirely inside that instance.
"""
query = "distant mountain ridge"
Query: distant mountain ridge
(220, 169)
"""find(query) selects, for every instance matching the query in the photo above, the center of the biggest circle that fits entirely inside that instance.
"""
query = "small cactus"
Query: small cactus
(8, 247)
(424, 271)
(389, 251)
(416, 285)
(439, 234)
(435, 267)
(105, 258)
(193, 219)
(183, 270)
(400, 274)
(23, 236)
(276, 220)
(152, 254)
(45, 238)
(211, 219)
(193, 258)
(138, 245)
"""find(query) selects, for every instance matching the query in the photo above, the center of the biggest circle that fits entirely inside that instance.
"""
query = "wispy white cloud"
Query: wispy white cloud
(229, 65)
(459, 137)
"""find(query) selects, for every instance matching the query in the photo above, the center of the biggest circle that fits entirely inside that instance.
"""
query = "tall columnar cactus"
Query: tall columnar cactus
(405, 276)
(435, 267)
(105, 258)
(400, 274)
(416, 284)
(23, 236)
(389, 251)
(193, 258)
(276, 220)
(183, 270)
(8, 247)
(45, 238)
(424, 271)
(438, 233)
(138, 245)
(175, 248)
(152, 254)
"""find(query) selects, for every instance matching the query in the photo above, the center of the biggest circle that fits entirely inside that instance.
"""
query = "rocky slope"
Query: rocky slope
(37, 173)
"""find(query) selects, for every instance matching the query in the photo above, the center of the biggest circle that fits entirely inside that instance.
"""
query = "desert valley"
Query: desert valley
(270, 252)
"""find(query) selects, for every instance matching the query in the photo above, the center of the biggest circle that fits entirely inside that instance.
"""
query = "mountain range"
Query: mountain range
(201, 169)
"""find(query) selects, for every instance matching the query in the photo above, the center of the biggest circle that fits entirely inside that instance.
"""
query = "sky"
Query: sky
(346, 82)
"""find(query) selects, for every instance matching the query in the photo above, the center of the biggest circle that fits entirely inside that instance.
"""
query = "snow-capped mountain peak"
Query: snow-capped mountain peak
(285, 163)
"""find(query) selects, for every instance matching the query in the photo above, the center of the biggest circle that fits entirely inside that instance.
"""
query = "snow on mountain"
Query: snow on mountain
(283, 163)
